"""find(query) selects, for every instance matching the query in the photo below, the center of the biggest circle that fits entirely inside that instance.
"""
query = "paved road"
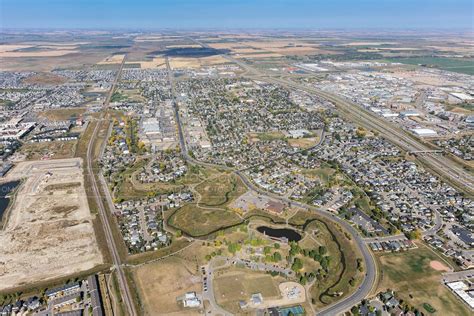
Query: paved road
(369, 260)
(370, 277)
(386, 238)
(117, 261)
(445, 167)
(458, 276)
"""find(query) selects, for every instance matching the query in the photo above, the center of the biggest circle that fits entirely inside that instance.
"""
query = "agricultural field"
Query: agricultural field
(461, 65)
(412, 276)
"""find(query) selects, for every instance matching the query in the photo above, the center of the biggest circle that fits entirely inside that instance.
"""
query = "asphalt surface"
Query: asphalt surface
(445, 167)
(369, 280)
(117, 261)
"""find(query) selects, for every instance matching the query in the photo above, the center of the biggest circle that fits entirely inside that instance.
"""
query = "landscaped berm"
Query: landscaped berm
(416, 278)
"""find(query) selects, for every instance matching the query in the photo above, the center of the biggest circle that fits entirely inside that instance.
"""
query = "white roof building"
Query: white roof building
(424, 132)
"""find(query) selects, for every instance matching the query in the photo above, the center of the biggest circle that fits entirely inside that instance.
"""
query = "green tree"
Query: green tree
(322, 250)
(276, 256)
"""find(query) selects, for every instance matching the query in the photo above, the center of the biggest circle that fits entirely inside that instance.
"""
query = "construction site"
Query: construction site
(48, 230)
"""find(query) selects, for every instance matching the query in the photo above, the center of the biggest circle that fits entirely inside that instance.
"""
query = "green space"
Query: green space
(268, 136)
(460, 65)
(118, 97)
(199, 221)
(410, 275)
(6, 103)
(429, 308)
(220, 189)
(341, 267)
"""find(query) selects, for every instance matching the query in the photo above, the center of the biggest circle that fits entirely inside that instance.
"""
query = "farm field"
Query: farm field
(412, 276)
(465, 66)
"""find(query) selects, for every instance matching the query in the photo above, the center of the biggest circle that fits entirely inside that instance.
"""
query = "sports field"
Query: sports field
(415, 280)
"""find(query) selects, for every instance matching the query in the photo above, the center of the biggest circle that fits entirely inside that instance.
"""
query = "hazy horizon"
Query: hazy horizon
(238, 15)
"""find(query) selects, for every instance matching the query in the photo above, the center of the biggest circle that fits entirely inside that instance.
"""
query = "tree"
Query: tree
(276, 256)
(276, 245)
(414, 234)
(233, 248)
(178, 233)
(297, 265)
(267, 250)
(360, 132)
(324, 263)
(322, 250)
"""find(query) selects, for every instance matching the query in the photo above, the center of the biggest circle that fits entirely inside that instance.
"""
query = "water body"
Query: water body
(5, 190)
(290, 234)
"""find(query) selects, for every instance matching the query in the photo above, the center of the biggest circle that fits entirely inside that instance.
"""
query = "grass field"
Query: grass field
(461, 65)
(197, 221)
(62, 114)
(303, 143)
(233, 285)
(267, 136)
(219, 189)
(49, 150)
(410, 275)
(160, 283)
(342, 266)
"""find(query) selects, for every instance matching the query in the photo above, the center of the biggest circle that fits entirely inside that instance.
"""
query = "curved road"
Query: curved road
(369, 280)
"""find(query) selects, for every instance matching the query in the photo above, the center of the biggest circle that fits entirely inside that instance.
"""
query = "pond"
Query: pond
(289, 234)
(5, 190)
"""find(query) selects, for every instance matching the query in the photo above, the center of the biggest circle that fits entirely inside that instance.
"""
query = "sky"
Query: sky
(233, 14)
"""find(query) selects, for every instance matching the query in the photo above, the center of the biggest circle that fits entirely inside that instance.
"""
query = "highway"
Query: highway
(370, 278)
(117, 261)
(443, 166)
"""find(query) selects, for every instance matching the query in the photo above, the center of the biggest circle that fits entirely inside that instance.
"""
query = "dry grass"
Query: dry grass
(183, 62)
(49, 150)
(160, 283)
(62, 114)
(46, 78)
(303, 142)
(46, 53)
(113, 59)
(410, 275)
(12, 47)
(157, 62)
(233, 285)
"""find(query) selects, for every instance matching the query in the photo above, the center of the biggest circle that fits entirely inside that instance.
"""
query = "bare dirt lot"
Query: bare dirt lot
(48, 232)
